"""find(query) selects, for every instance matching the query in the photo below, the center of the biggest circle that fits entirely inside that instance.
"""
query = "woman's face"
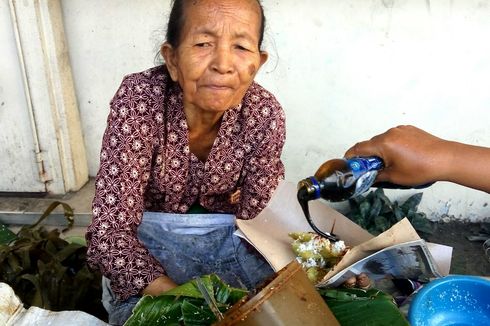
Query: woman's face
(218, 56)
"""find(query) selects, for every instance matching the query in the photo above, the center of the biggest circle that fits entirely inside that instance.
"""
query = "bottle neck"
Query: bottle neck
(308, 189)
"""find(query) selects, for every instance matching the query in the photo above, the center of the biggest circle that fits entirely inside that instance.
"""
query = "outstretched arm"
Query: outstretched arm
(414, 157)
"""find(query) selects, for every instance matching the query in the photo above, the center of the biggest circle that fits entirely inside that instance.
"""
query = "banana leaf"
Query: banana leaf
(6, 236)
(376, 213)
(49, 272)
(359, 307)
(185, 305)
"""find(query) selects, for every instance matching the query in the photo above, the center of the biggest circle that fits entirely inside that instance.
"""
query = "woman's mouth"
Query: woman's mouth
(217, 87)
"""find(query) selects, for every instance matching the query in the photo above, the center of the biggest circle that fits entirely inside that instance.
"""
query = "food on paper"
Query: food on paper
(317, 255)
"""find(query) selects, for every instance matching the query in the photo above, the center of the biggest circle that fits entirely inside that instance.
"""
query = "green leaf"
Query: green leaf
(185, 305)
(420, 223)
(412, 202)
(161, 310)
(14, 264)
(382, 224)
(188, 289)
(225, 293)
(375, 208)
(68, 212)
(370, 196)
(52, 278)
(6, 235)
(197, 315)
(398, 212)
(376, 212)
(381, 195)
(340, 295)
(354, 202)
(353, 294)
(364, 209)
(46, 271)
(77, 239)
(372, 307)
(37, 299)
(66, 252)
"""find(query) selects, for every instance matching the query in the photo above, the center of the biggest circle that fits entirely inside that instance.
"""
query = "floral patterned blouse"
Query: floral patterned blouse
(146, 165)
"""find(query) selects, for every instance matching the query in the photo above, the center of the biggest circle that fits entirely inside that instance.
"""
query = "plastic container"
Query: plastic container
(452, 300)
(290, 299)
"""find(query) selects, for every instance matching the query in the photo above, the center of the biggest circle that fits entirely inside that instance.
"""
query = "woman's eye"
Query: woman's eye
(203, 44)
(241, 47)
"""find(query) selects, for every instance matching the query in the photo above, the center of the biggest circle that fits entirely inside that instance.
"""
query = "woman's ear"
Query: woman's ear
(170, 56)
(263, 57)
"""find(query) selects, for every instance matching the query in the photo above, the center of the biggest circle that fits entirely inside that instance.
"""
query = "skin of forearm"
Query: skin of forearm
(158, 286)
(468, 166)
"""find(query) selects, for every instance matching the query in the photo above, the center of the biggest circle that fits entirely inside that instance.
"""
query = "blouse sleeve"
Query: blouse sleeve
(125, 167)
(265, 169)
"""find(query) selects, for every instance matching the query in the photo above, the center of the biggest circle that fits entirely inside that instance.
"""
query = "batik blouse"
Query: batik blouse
(146, 165)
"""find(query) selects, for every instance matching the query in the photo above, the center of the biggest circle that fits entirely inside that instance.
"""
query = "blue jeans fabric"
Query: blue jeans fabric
(193, 245)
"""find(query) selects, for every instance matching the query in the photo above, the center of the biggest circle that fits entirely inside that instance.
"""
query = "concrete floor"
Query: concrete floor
(18, 211)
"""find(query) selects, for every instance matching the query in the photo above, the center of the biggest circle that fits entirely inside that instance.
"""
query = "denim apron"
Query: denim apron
(190, 245)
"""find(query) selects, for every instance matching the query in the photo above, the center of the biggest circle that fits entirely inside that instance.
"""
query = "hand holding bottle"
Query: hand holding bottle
(413, 157)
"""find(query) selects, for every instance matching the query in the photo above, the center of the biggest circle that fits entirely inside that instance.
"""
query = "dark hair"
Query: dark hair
(176, 23)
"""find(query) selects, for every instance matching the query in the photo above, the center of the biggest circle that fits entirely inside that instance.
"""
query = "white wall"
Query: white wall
(360, 67)
(15, 127)
(343, 70)
(107, 40)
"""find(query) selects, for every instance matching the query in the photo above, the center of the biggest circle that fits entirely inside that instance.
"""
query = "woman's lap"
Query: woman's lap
(214, 248)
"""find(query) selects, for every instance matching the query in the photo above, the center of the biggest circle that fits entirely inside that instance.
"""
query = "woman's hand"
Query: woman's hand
(159, 285)
(411, 156)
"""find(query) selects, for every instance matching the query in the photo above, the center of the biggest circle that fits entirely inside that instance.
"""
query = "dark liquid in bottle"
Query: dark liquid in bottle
(339, 186)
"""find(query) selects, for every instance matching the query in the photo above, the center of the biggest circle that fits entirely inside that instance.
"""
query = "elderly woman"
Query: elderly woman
(189, 146)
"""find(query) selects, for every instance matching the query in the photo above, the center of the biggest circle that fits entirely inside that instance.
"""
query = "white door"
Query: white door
(19, 171)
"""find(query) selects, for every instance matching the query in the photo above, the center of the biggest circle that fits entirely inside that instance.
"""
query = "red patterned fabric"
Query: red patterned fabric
(145, 164)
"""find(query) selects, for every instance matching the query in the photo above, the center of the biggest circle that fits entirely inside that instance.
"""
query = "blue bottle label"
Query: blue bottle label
(365, 170)
(360, 165)
(365, 182)
(357, 166)
(373, 163)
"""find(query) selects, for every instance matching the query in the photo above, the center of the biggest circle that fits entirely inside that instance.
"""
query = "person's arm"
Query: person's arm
(159, 285)
(414, 157)
(264, 170)
(126, 156)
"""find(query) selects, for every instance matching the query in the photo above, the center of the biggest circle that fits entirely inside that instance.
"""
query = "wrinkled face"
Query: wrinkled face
(218, 56)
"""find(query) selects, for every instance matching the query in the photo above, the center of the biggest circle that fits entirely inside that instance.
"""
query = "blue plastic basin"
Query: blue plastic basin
(456, 300)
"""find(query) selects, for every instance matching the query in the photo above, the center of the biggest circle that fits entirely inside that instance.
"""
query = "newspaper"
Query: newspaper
(268, 233)
(410, 260)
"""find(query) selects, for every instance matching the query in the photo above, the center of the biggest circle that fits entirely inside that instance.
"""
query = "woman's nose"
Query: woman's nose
(223, 60)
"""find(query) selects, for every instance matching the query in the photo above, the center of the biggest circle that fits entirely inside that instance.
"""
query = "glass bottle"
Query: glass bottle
(340, 179)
